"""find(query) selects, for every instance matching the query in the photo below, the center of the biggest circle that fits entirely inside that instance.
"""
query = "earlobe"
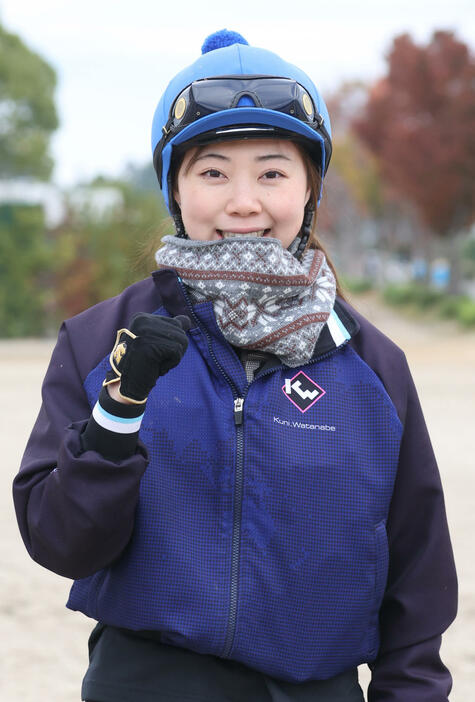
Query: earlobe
(176, 197)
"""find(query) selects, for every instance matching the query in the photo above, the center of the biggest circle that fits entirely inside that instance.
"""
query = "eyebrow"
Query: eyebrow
(211, 155)
(265, 157)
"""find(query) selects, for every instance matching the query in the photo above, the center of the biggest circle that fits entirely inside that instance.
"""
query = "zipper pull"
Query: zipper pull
(238, 403)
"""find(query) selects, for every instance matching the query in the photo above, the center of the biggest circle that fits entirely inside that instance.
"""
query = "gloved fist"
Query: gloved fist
(150, 348)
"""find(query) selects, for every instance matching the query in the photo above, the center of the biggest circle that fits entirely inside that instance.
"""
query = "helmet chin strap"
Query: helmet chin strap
(296, 248)
(179, 226)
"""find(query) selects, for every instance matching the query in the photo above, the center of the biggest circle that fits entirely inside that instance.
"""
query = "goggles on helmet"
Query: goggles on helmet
(210, 95)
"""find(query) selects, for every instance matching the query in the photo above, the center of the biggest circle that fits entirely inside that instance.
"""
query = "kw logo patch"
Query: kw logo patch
(302, 391)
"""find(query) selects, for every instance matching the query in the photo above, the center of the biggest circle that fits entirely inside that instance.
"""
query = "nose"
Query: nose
(243, 198)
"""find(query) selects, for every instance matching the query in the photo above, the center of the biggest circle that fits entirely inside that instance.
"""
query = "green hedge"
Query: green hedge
(356, 285)
(25, 266)
(466, 312)
(424, 298)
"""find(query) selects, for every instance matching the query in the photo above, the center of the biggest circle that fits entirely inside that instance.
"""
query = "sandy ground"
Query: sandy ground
(43, 651)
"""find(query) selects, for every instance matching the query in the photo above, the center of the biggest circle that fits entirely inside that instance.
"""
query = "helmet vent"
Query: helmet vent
(246, 101)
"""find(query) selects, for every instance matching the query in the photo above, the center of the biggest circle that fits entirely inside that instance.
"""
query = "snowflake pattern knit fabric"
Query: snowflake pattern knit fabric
(263, 297)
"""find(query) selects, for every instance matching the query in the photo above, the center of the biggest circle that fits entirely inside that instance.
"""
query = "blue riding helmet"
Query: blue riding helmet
(237, 91)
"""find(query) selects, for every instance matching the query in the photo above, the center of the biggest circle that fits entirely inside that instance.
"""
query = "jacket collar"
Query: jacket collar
(339, 329)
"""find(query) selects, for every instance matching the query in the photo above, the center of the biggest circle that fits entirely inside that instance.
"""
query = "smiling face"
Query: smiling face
(243, 187)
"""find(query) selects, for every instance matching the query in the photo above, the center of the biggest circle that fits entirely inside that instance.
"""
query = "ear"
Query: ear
(176, 197)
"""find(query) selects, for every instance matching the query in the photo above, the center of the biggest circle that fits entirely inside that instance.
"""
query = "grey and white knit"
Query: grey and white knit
(263, 297)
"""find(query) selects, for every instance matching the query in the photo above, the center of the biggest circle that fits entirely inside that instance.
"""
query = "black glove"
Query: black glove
(153, 346)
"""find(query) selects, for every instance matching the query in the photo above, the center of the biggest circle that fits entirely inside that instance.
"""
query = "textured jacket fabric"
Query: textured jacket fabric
(301, 535)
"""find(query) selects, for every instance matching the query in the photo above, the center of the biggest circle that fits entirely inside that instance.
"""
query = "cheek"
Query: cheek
(289, 208)
(195, 205)
(198, 212)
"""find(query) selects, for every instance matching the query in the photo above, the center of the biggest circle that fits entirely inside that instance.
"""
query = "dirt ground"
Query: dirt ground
(43, 646)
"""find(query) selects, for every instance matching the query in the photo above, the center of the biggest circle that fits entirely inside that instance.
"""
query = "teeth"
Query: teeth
(227, 235)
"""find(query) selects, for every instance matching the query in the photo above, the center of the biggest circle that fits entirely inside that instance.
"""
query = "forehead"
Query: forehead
(245, 148)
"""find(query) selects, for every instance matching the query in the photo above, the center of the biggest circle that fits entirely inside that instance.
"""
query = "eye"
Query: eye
(211, 173)
(272, 175)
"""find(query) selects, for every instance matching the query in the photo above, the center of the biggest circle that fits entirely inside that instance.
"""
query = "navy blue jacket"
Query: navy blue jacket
(302, 537)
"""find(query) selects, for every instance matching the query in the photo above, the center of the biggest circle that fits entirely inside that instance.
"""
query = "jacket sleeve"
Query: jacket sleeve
(75, 508)
(421, 594)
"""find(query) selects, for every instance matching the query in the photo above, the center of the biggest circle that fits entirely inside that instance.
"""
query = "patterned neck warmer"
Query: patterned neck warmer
(263, 297)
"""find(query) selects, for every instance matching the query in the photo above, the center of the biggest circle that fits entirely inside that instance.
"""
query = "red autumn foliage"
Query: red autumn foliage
(419, 122)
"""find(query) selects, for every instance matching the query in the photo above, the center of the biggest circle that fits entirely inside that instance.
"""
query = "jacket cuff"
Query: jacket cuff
(113, 428)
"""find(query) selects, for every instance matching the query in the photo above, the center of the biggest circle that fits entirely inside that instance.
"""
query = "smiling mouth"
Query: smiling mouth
(224, 234)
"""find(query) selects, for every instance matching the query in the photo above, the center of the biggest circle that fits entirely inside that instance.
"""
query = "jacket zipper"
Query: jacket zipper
(238, 486)
(238, 420)
(239, 479)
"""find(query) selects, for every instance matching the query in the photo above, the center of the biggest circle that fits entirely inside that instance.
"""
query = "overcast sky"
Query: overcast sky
(113, 58)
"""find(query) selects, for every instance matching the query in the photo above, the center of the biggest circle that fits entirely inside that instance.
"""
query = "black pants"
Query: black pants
(127, 667)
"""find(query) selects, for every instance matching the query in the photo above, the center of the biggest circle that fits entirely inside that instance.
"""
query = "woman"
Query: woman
(280, 520)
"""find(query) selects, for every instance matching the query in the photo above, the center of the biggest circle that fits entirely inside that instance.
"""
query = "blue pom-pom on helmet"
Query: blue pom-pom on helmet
(237, 91)
(220, 39)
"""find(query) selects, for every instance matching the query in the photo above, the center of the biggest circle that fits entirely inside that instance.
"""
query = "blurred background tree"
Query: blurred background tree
(365, 222)
(24, 262)
(27, 120)
(27, 110)
(419, 124)
(108, 234)
(107, 241)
